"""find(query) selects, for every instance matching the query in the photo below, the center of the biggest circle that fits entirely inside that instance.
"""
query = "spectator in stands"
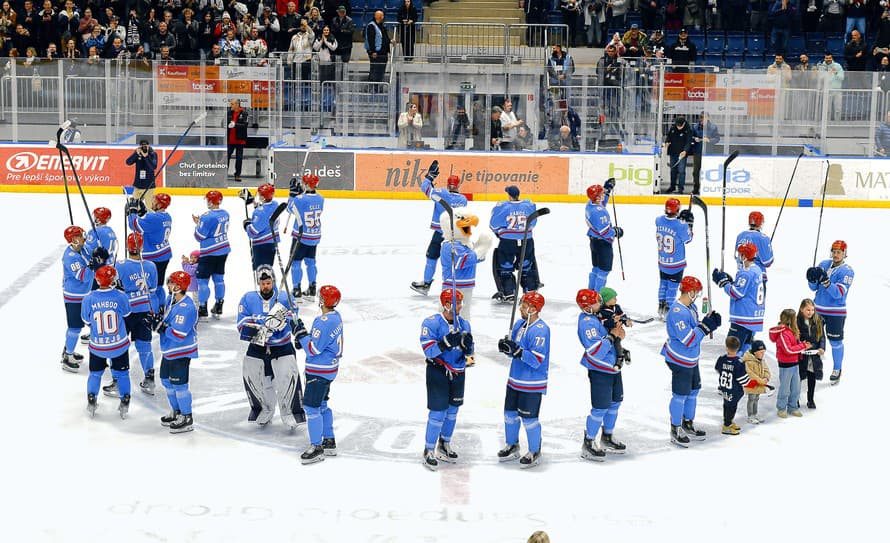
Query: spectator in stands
(8, 18)
(734, 15)
(833, 15)
(52, 52)
(377, 45)
(316, 23)
(186, 31)
(165, 57)
(834, 74)
(163, 37)
(236, 136)
(410, 124)
(407, 16)
(781, 68)
(781, 15)
(96, 39)
(609, 73)
(69, 49)
(594, 16)
(307, 6)
(812, 14)
(856, 12)
(290, 25)
(678, 141)
(535, 14)
(458, 129)
(650, 12)
(509, 124)
(560, 68)
(329, 10)
(269, 27)
(884, 74)
(881, 48)
(116, 50)
(300, 53)
(673, 14)
(326, 48)
(86, 25)
(524, 140)
(30, 18)
(705, 137)
(855, 54)
(617, 44)
(115, 30)
(882, 137)
(616, 13)
(256, 48)
(149, 29)
(478, 128)
(571, 11)
(693, 13)
(215, 55)
(343, 28)
(206, 40)
(47, 27)
(563, 141)
(496, 132)
(656, 42)
(682, 52)
(635, 42)
(69, 19)
(22, 39)
(223, 26)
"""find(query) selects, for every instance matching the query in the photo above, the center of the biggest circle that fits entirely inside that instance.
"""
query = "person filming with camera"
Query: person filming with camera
(146, 160)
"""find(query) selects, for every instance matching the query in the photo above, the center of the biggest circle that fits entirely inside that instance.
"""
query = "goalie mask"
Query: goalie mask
(265, 279)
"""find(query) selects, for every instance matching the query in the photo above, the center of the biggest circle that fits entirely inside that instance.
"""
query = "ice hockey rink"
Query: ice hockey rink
(71, 478)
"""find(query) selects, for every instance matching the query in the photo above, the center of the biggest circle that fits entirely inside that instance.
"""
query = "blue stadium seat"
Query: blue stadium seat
(715, 43)
(756, 44)
(733, 61)
(754, 61)
(816, 47)
(835, 44)
(735, 44)
(374, 5)
(710, 59)
(796, 46)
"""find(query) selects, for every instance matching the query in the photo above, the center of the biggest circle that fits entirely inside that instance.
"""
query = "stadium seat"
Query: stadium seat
(733, 61)
(835, 44)
(373, 5)
(754, 62)
(796, 46)
(735, 44)
(817, 47)
(715, 43)
(712, 59)
(756, 44)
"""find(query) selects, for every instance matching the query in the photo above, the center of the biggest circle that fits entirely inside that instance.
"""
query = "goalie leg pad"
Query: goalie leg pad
(255, 380)
(288, 389)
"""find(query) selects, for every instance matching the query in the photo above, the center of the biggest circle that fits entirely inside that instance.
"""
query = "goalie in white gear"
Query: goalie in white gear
(270, 365)
(459, 258)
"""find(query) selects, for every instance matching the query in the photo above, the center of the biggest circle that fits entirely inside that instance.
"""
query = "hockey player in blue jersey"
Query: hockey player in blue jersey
(101, 243)
(179, 345)
(764, 258)
(323, 345)
(270, 364)
(446, 344)
(105, 311)
(601, 233)
(263, 239)
(212, 232)
(746, 295)
(77, 280)
(306, 206)
(603, 372)
(139, 281)
(454, 199)
(681, 353)
(155, 226)
(528, 347)
(731, 380)
(461, 256)
(831, 281)
(673, 231)
(508, 222)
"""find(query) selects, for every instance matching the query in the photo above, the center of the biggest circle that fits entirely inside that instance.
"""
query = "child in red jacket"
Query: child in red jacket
(788, 350)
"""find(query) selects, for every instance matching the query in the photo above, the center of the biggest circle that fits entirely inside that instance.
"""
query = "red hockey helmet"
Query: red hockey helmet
(453, 183)
(534, 299)
(690, 284)
(102, 215)
(445, 297)
(839, 244)
(180, 280)
(672, 206)
(587, 299)
(594, 193)
(105, 276)
(329, 296)
(213, 197)
(755, 218)
(162, 201)
(310, 180)
(747, 250)
(73, 232)
(267, 191)
(134, 243)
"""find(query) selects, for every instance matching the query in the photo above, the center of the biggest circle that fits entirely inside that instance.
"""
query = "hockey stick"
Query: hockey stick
(726, 164)
(63, 149)
(160, 170)
(272, 219)
(247, 217)
(528, 224)
(787, 190)
(617, 239)
(704, 207)
(61, 129)
(301, 173)
(646, 320)
(821, 209)
(454, 311)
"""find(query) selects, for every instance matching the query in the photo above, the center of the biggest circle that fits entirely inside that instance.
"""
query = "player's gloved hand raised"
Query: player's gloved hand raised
(466, 343)
(295, 187)
(618, 232)
(686, 216)
(135, 205)
(609, 185)
(816, 275)
(245, 195)
(510, 347)
(299, 330)
(710, 322)
(433, 171)
(98, 258)
(155, 321)
(450, 341)
(245, 223)
(721, 278)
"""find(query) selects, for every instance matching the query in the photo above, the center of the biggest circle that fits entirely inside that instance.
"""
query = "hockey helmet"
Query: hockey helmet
(134, 243)
(594, 193)
(747, 250)
(587, 300)
(446, 297)
(213, 197)
(755, 219)
(534, 299)
(180, 280)
(329, 296)
(72, 232)
(672, 206)
(162, 201)
(453, 183)
(102, 215)
(266, 191)
(105, 276)
(690, 284)
(840, 245)
(264, 273)
(310, 180)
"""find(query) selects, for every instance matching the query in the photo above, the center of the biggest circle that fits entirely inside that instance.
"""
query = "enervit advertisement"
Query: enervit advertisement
(635, 175)
(40, 165)
(335, 169)
(480, 173)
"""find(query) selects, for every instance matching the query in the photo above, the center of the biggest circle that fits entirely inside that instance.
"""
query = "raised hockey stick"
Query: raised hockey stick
(726, 164)
(272, 219)
(454, 311)
(301, 174)
(821, 209)
(787, 190)
(64, 149)
(528, 224)
(160, 170)
(247, 217)
(61, 129)
(617, 239)
(704, 207)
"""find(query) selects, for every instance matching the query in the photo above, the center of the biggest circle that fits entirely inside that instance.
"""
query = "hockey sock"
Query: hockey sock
(662, 290)
(123, 381)
(592, 279)
(434, 428)
(203, 290)
(594, 421)
(93, 381)
(171, 394)
(511, 426)
(837, 353)
(611, 417)
(533, 432)
(327, 419)
(677, 403)
(429, 270)
(296, 273)
(219, 286)
(450, 422)
(690, 405)
(183, 398)
(71, 337)
(311, 270)
(670, 290)
(146, 357)
(601, 278)
(728, 413)
(314, 424)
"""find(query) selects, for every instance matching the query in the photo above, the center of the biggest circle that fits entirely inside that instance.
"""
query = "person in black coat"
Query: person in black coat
(682, 52)
(810, 367)
(236, 135)
(146, 160)
(407, 16)
(678, 141)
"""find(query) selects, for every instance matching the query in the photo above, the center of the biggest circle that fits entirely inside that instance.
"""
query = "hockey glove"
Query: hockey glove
(618, 231)
(466, 343)
(299, 330)
(721, 278)
(433, 171)
(98, 258)
(510, 348)
(245, 195)
(710, 322)
(296, 188)
(450, 341)
(686, 216)
(136, 206)
(815, 274)
(609, 185)
(245, 223)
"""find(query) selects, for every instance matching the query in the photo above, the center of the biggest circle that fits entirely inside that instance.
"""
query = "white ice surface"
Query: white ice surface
(69, 478)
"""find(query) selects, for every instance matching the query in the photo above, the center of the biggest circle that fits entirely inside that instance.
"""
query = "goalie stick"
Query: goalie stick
(272, 218)
(704, 207)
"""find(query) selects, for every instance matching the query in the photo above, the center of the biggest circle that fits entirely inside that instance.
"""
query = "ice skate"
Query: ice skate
(662, 309)
(148, 384)
(217, 309)
(510, 452)
(71, 361)
(692, 433)
(169, 418)
(92, 404)
(530, 460)
(183, 423)
(124, 407)
(835, 377)
(85, 339)
(202, 312)
(508, 298)
(429, 460)
(111, 389)
(678, 437)
(589, 451)
(421, 287)
(309, 293)
(330, 446)
(297, 294)
(315, 453)
(444, 452)
(611, 446)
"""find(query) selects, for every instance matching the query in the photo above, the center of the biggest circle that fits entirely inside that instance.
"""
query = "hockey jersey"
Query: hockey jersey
(731, 377)
(672, 235)
(212, 232)
(465, 261)
(683, 345)
(454, 199)
(104, 311)
(434, 328)
(253, 308)
(599, 224)
(324, 346)
(831, 301)
(140, 282)
(746, 298)
(258, 230)
(599, 353)
(104, 236)
(508, 219)
(180, 339)
(529, 373)
(155, 229)
(306, 209)
(764, 258)
(77, 278)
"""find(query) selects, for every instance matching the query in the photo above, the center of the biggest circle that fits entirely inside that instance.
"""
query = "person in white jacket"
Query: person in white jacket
(410, 123)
